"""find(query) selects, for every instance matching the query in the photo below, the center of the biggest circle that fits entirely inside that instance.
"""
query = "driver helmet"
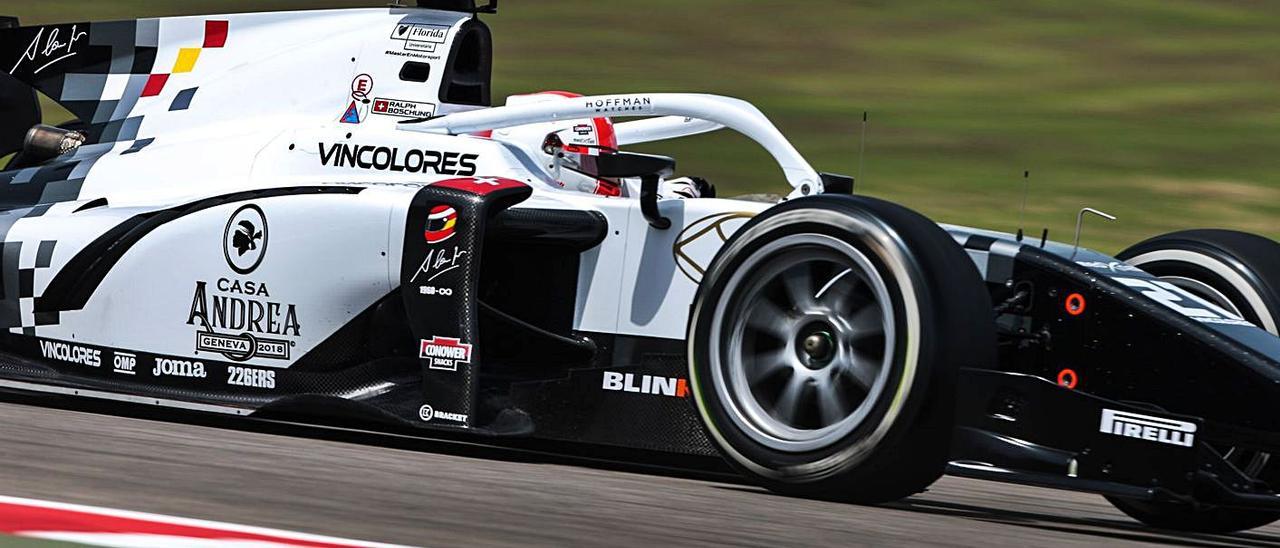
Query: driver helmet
(566, 149)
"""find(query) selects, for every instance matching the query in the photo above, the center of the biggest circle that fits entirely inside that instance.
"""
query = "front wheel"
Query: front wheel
(824, 346)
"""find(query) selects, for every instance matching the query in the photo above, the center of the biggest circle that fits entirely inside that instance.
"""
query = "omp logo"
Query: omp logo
(648, 384)
(1146, 427)
(71, 353)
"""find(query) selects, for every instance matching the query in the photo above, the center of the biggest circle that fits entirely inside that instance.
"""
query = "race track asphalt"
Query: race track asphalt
(441, 494)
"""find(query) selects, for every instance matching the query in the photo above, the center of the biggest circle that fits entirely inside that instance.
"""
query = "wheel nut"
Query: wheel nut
(819, 346)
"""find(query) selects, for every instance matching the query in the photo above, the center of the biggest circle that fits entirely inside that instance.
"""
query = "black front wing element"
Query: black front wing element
(1101, 389)
(1024, 429)
(439, 281)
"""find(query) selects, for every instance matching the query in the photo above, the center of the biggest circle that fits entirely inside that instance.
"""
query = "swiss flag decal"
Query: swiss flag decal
(481, 185)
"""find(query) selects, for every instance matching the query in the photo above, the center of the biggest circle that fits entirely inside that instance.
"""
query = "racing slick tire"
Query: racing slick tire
(1239, 272)
(824, 345)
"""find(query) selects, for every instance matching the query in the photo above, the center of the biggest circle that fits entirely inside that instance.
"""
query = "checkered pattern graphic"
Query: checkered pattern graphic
(215, 36)
(182, 100)
(105, 88)
(112, 74)
(115, 71)
(18, 286)
(58, 180)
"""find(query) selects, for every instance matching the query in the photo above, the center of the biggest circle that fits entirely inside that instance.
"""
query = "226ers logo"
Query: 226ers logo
(441, 224)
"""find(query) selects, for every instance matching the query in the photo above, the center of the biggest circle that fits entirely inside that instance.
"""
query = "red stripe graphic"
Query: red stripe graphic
(155, 84)
(215, 34)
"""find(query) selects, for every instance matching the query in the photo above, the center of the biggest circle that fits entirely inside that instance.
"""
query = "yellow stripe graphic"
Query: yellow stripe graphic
(186, 60)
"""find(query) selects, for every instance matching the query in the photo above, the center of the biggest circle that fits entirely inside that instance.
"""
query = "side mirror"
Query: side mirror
(649, 168)
(630, 164)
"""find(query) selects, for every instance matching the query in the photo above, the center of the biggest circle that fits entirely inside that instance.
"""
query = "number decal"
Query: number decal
(1182, 301)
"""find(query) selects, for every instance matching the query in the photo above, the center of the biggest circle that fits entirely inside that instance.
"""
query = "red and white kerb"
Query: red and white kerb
(93, 526)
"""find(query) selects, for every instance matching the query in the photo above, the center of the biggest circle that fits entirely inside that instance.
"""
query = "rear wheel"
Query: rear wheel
(1240, 273)
(824, 345)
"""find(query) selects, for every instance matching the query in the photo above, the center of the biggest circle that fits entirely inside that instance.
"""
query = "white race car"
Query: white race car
(318, 213)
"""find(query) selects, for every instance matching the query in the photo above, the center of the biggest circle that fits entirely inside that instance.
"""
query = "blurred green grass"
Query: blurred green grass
(1165, 113)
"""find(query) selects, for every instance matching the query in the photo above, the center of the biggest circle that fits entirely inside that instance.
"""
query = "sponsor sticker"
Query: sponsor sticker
(71, 353)
(420, 37)
(358, 108)
(242, 345)
(441, 224)
(361, 86)
(403, 109)
(250, 377)
(380, 158)
(124, 363)
(352, 114)
(645, 384)
(239, 320)
(444, 353)
(244, 240)
(1146, 427)
(427, 414)
(639, 103)
(166, 367)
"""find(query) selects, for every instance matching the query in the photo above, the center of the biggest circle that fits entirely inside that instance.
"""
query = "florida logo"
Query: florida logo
(440, 224)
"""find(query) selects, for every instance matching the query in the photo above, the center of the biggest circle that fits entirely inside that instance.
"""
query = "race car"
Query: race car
(320, 214)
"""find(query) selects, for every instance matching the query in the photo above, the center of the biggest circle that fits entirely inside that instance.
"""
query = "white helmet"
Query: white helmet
(565, 149)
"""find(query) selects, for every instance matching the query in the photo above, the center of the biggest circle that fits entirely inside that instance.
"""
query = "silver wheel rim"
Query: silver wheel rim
(807, 342)
(1249, 461)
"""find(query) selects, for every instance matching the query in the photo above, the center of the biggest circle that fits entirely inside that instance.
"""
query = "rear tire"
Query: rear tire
(824, 346)
(1241, 273)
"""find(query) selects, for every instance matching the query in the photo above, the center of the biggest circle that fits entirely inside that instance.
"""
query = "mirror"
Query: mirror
(630, 164)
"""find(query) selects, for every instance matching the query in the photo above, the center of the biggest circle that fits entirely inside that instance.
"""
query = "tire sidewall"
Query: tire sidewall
(893, 261)
(1213, 266)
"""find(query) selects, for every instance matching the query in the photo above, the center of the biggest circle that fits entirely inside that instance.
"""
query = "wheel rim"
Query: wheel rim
(1251, 462)
(809, 345)
(1204, 291)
